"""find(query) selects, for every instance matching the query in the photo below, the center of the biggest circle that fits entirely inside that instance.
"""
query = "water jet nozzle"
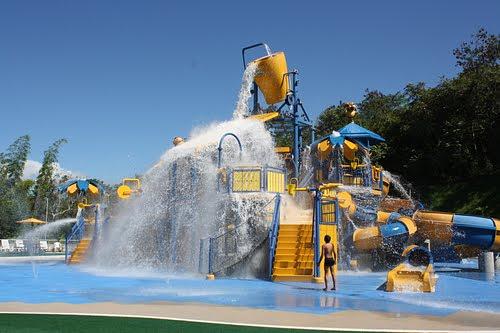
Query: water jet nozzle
(129, 186)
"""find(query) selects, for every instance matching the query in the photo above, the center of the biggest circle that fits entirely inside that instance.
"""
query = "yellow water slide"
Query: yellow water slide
(468, 234)
(392, 227)
(415, 273)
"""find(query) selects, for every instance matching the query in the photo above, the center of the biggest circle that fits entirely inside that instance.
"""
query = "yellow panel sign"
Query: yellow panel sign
(275, 181)
(328, 212)
(246, 180)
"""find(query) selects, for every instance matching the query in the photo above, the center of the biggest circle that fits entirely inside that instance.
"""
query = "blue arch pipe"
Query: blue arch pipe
(219, 148)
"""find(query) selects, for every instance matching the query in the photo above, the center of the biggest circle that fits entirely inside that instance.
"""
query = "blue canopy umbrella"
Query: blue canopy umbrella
(361, 135)
(81, 186)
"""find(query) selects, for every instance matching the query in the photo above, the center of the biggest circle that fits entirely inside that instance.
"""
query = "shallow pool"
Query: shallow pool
(57, 282)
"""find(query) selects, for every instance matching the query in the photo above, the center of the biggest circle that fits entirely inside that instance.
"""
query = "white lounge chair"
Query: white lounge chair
(57, 247)
(6, 246)
(20, 245)
(44, 246)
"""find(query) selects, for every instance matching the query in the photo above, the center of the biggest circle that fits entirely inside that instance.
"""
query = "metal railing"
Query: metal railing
(31, 246)
(361, 175)
(74, 237)
(224, 250)
(249, 179)
(273, 234)
(326, 212)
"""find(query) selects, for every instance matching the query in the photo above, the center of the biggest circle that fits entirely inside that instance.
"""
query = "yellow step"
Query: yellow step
(293, 238)
(302, 233)
(300, 227)
(299, 251)
(292, 271)
(292, 278)
(293, 264)
(293, 257)
(294, 245)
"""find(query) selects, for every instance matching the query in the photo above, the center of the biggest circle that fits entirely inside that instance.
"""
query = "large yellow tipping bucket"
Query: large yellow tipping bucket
(271, 77)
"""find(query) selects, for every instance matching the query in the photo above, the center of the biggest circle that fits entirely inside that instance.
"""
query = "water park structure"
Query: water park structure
(337, 192)
(227, 203)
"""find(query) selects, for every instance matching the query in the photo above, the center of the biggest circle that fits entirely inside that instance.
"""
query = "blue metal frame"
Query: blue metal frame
(273, 234)
(219, 148)
(296, 119)
(76, 234)
(319, 202)
(315, 235)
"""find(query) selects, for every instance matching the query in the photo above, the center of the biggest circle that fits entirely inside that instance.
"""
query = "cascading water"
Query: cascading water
(242, 109)
(34, 236)
(396, 182)
(179, 205)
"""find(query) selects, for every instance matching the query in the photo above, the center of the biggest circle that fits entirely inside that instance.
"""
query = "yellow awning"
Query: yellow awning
(31, 220)
(265, 116)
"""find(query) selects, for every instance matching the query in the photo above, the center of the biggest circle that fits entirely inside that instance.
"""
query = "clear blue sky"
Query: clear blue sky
(120, 79)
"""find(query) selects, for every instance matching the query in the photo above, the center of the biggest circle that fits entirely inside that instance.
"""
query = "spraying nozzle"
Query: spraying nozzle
(129, 187)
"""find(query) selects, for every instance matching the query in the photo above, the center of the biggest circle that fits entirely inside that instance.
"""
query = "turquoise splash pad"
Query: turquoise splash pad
(57, 282)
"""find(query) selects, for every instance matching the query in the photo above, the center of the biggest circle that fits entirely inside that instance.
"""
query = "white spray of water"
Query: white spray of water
(242, 108)
(396, 182)
(44, 231)
(179, 205)
(33, 237)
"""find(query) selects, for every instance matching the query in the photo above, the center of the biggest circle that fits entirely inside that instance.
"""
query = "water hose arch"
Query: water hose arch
(219, 148)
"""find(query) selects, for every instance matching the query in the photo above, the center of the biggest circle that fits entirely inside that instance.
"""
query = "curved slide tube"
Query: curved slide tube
(395, 229)
(466, 232)
(459, 230)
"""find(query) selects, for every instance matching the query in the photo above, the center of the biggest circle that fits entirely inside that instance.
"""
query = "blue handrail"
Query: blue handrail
(316, 222)
(273, 234)
(76, 234)
(218, 260)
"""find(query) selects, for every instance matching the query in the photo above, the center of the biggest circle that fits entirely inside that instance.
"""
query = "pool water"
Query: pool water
(57, 282)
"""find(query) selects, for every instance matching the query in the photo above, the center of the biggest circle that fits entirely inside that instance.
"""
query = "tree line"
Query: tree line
(442, 135)
(21, 198)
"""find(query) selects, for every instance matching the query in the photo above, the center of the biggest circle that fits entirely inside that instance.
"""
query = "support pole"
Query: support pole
(296, 130)
(486, 262)
(317, 244)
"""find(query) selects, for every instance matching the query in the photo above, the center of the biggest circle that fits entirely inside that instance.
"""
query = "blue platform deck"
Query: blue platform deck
(56, 282)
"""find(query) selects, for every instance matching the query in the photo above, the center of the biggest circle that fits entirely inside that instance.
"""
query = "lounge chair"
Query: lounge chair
(20, 245)
(6, 246)
(44, 246)
(57, 247)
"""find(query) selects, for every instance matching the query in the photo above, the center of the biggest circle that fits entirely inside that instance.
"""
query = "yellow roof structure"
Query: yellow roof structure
(265, 116)
(31, 220)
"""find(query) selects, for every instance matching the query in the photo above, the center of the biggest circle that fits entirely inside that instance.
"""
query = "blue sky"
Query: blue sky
(120, 79)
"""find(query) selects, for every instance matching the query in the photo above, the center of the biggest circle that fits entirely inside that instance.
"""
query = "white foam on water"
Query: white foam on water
(242, 109)
(161, 229)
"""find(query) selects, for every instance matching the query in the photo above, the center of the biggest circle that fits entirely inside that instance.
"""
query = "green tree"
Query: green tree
(45, 187)
(332, 118)
(14, 193)
(482, 50)
(12, 162)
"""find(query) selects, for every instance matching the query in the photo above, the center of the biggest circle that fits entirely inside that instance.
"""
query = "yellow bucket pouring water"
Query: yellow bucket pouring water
(271, 77)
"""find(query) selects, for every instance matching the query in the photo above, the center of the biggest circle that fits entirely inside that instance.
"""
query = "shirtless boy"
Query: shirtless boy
(328, 251)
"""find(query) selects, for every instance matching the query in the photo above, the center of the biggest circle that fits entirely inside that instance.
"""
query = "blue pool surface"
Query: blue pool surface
(57, 282)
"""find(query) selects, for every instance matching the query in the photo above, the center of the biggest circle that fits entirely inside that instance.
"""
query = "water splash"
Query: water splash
(396, 182)
(33, 237)
(242, 109)
(179, 205)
